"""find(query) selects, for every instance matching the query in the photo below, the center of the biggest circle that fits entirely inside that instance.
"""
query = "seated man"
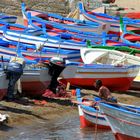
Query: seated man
(104, 92)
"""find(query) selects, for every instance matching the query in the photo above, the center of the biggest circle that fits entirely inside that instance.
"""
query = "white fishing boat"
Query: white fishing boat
(84, 75)
(34, 37)
(113, 57)
(34, 81)
(124, 122)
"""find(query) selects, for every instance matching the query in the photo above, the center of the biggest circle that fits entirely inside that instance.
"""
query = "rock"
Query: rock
(4, 118)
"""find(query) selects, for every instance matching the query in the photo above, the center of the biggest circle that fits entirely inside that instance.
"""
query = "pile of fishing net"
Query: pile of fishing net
(60, 92)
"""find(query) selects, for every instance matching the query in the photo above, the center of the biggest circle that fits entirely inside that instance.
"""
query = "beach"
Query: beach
(30, 111)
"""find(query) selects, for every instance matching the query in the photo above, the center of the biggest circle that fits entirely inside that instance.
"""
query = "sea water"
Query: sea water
(66, 128)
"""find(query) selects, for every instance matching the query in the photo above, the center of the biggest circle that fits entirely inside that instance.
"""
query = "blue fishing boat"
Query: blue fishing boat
(8, 18)
(124, 121)
(37, 53)
(113, 21)
(90, 116)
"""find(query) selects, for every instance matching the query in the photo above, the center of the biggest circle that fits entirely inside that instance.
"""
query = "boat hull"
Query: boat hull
(109, 56)
(92, 119)
(90, 116)
(119, 136)
(33, 82)
(83, 75)
(88, 82)
(125, 124)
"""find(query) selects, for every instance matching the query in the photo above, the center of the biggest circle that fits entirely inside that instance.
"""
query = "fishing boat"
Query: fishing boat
(84, 75)
(57, 29)
(32, 77)
(90, 116)
(113, 57)
(31, 52)
(33, 37)
(132, 39)
(63, 41)
(89, 111)
(109, 56)
(7, 18)
(63, 21)
(70, 27)
(105, 18)
(51, 16)
(130, 36)
(38, 78)
(124, 122)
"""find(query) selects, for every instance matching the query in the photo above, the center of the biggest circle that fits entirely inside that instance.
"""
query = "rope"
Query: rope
(96, 126)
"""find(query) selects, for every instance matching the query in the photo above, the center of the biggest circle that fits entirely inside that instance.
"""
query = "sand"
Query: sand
(23, 112)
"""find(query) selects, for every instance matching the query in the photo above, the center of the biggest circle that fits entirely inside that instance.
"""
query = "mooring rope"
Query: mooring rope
(96, 126)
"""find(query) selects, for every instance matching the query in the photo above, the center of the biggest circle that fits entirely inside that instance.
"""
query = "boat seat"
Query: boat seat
(95, 57)
(121, 61)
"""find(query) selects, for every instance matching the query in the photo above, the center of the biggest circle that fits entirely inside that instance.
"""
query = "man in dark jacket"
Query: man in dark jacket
(14, 71)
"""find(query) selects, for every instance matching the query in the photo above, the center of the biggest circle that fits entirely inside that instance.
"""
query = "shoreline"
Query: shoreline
(27, 112)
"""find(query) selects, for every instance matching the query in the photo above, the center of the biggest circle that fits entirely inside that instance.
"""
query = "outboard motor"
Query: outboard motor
(56, 66)
(14, 71)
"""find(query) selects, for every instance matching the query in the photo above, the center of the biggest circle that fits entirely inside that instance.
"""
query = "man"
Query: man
(104, 92)
(56, 66)
(14, 71)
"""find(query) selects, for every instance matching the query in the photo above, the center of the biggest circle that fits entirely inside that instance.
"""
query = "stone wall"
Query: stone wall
(62, 7)
(12, 7)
